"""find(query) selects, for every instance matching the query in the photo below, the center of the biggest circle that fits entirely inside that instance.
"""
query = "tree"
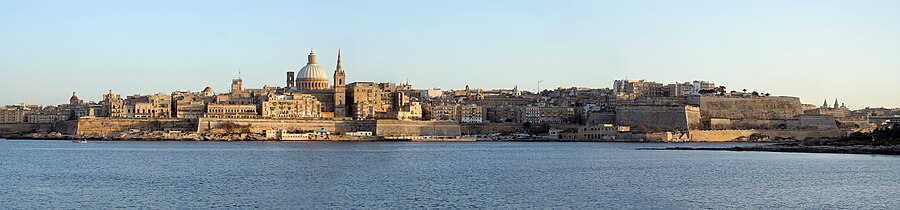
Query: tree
(720, 90)
(755, 93)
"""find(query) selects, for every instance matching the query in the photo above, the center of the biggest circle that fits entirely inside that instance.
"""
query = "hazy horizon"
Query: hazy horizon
(814, 50)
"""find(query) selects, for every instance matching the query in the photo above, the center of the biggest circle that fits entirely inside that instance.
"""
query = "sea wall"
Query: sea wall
(65, 127)
(222, 125)
(95, 125)
(397, 128)
(729, 135)
(489, 128)
(389, 128)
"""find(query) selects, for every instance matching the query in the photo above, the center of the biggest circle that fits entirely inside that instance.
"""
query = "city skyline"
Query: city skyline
(814, 50)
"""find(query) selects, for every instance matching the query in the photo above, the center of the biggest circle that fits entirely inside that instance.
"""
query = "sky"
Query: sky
(815, 50)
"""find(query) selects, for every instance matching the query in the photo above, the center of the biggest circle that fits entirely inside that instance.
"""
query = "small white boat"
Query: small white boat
(79, 141)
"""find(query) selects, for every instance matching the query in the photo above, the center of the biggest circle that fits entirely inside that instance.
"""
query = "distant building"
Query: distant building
(470, 113)
(296, 105)
(597, 132)
(631, 89)
(191, 105)
(149, 106)
(232, 111)
(12, 114)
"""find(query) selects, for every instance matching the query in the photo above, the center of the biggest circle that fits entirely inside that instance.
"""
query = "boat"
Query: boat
(79, 141)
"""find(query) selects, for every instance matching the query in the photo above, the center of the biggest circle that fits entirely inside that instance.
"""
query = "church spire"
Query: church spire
(339, 77)
(825, 104)
(836, 104)
(340, 68)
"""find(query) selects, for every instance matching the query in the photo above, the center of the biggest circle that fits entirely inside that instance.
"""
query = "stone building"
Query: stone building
(556, 115)
(395, 104)
(503, 100)
(631, 89)
(148, 106)
(471, 114)
(440, 111)
(191, 105)
(45, 117)
(364, 100)
(678, 89)
(464, 113)
(232, 111)
(836, 111)
(295, 105)
(12, 114)
(504, 114)
(604, 132)
(112, 105)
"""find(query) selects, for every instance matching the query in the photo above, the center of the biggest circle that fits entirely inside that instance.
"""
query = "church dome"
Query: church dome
(312, 76)
(312, 71)
(74, 97)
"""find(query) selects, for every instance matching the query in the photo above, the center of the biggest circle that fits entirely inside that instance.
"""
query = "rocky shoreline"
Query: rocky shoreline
(851, 149)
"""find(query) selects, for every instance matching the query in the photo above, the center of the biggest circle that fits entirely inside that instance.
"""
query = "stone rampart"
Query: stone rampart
(16, 128)
(95, 125)
(741, 108)
(489, 128)
(222, 125)
(389, 128)
(729, 135)
(659, 118)
(400, 128)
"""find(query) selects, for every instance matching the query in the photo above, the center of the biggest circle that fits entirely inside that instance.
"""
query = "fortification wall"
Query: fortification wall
(400, 128)
(737, 108)
(65, 127)
(659, 118)
(728, 135)
(717, 135)
(220, 125)
(15, 128)
(390, 128)
(489, 128)
(92, 125)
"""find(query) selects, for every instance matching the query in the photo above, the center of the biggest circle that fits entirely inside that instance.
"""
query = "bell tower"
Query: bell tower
(339, 77)
(290, 80)
(340, 89)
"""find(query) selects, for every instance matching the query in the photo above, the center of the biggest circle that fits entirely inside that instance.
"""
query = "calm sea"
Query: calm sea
(402, 175)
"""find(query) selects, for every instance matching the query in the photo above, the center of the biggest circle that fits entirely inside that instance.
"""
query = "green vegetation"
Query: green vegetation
(882, 137)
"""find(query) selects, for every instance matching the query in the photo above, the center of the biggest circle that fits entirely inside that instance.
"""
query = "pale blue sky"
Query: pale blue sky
(812, 49)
